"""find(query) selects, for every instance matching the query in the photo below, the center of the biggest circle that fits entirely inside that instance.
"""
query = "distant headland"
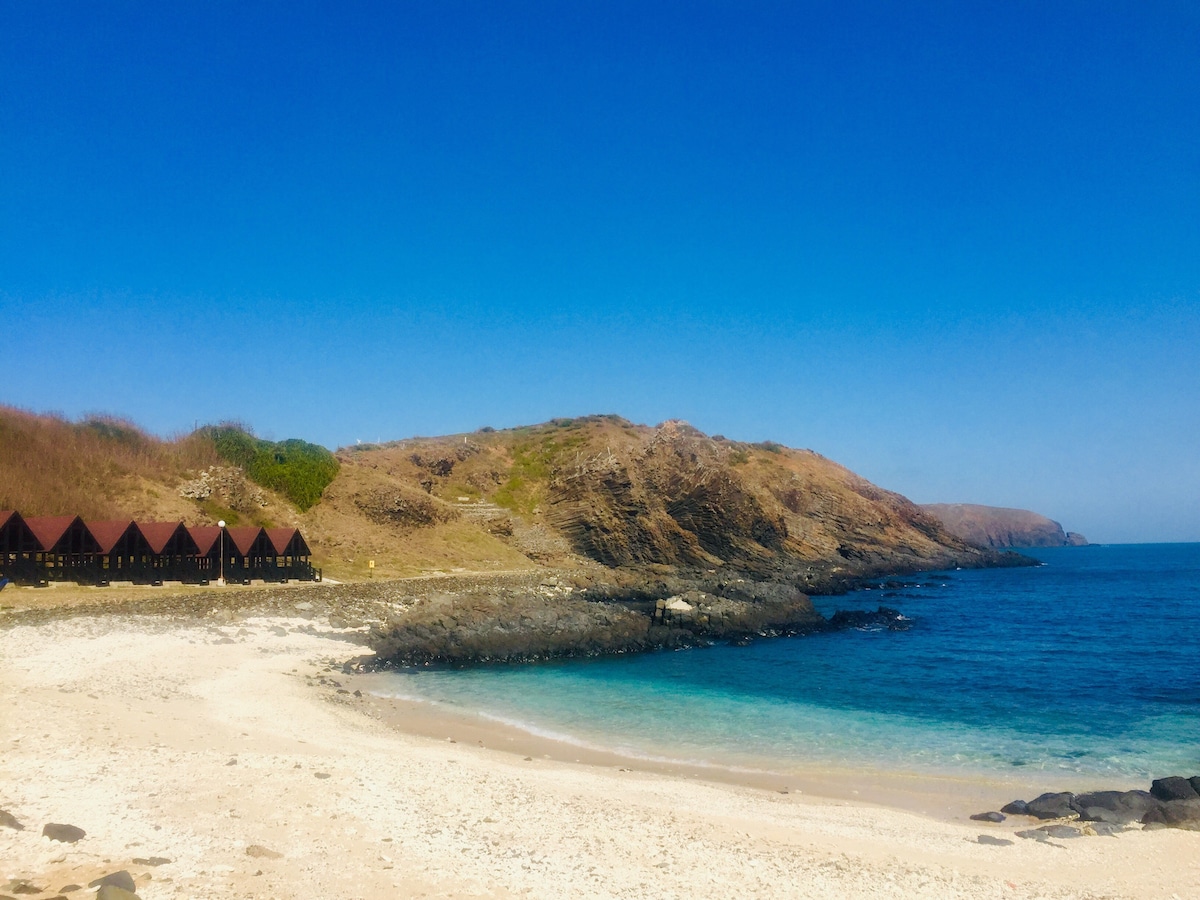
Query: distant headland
(1001, 528)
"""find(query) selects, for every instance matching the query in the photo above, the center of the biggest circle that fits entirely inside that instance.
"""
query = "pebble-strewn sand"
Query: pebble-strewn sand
(194, 743)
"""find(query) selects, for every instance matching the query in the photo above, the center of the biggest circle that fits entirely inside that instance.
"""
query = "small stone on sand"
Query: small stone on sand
(121, 879)
(67, 834)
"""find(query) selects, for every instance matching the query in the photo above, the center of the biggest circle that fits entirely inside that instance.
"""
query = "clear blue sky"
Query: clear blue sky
(954, 246)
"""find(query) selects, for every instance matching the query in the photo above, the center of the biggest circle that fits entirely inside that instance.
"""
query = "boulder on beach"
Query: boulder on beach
(1118, 807)
(1173, 787)
(1184, 814)
(1052, 806)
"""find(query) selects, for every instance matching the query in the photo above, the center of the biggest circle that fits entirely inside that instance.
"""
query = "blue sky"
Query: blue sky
(954, 246)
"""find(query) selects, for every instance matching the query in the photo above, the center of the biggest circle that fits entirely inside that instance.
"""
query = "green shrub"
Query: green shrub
(297, 469)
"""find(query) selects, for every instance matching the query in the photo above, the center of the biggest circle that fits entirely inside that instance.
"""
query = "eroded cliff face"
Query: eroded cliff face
(600, 490)
(1001, 528)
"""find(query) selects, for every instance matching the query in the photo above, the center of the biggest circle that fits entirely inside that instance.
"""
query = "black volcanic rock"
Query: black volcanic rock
(522, 626)
(1118, 807)
(1173, 788)
(1052, 806)
(1184, 814)
(884, 617)
(1169, 804)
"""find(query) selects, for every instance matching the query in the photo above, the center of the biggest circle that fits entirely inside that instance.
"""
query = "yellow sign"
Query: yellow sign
(371, 564)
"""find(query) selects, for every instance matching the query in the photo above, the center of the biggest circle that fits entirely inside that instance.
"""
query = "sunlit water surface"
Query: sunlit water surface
(1089, 664)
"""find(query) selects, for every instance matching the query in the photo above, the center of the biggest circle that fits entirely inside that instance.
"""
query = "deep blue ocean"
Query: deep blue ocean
(1089, 664)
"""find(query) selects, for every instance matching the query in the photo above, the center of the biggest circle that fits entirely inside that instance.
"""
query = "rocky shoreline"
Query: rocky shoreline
(524, 617)
(1171, 802)
(621, 611)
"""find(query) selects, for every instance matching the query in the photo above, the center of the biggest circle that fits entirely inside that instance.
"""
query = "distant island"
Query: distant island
(1002, 528)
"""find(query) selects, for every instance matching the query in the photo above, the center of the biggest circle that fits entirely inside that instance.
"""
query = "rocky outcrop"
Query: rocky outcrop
(1001, 528)
(228, 486)
(507, 627)
(557, 621)
(1171, 802)
(404, 507)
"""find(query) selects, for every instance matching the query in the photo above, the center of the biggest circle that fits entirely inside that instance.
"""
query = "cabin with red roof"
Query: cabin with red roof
(66, 551)
(173, 552)
(289, 555)
(18, 548)
(65, 548)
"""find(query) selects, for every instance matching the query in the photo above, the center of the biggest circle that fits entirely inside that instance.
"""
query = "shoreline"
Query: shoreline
(950, 796)
(237, 751)
(945, 796)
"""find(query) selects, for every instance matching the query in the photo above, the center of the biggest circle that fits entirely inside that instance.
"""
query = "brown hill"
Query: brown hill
(999, 527)
(595, 493)
(602, 490)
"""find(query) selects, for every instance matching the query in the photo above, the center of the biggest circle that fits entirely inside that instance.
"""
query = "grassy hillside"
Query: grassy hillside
(592, 492)
(100, 467)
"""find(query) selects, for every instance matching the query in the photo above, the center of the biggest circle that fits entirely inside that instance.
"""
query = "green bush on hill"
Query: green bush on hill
(297, 469)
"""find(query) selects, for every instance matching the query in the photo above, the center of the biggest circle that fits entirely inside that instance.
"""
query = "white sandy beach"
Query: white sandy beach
(208, 746)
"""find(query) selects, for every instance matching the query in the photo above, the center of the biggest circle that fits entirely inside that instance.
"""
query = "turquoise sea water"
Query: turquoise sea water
(1089, 664)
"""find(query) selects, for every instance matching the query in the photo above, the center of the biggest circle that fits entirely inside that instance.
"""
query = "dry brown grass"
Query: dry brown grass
(51, 466)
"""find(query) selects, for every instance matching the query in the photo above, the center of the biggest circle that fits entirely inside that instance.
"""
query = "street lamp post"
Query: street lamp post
(221, 580)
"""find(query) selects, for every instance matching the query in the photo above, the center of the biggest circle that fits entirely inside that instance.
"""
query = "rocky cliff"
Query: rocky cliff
(597, 494)
(600, 490)
(998, 527)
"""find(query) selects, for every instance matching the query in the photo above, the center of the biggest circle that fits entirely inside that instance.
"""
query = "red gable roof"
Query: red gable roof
(288, 541)
(49, 529)
(159, 534)
(205, 537)
(109, 532)
(15, 534)
(280, 538)
(243, 538)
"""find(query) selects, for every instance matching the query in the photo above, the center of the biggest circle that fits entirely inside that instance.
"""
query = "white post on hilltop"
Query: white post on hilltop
(221, 580)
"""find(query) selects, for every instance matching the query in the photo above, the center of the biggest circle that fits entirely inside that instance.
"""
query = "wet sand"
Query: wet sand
(949, 797)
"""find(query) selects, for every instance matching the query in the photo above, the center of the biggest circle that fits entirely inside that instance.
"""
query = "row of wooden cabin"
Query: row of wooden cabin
(40, 549)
